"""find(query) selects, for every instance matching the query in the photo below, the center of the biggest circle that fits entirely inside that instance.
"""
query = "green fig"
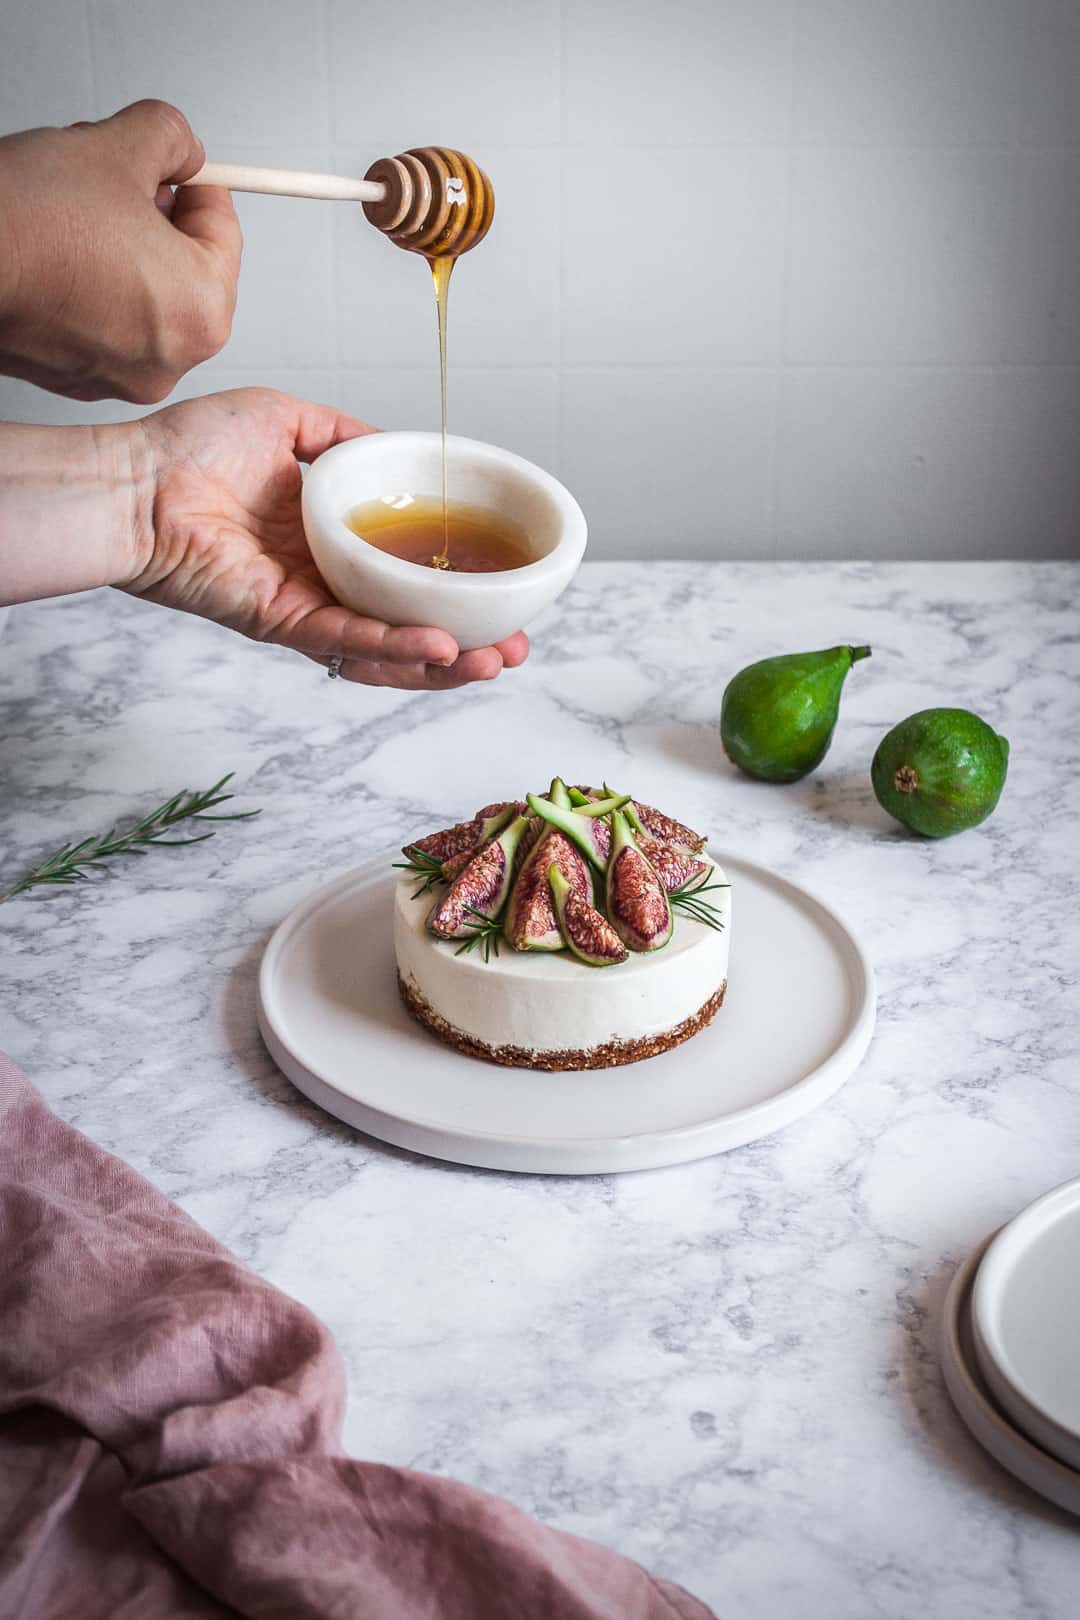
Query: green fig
(940, 771)
(777, 716)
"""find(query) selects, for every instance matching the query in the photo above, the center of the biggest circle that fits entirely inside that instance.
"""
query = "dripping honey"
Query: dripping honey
(440, 275)
(476, 539)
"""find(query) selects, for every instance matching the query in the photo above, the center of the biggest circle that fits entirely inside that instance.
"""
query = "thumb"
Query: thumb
(157, 140)
(318, 427)
(206, 214)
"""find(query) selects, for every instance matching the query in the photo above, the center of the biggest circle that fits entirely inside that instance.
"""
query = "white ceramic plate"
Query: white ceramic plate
(972, 1399)
(797, 1019)
(1025, 1317)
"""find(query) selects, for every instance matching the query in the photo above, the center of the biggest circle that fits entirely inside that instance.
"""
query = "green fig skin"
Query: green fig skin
(777, 716)
(576, 824)
(940, 771)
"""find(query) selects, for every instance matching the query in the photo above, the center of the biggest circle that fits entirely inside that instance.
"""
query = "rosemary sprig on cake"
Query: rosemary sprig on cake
(424, 867)
(74, 863)
(688, 899)
(485, 934)
(580, 869)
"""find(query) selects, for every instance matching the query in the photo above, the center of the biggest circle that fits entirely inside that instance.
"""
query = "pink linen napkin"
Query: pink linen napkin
(169, 1433)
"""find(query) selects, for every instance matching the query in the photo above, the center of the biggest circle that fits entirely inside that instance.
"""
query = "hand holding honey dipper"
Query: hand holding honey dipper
(112, 286)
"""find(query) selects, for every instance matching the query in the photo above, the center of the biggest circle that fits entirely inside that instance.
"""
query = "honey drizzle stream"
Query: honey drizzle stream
(440, 274)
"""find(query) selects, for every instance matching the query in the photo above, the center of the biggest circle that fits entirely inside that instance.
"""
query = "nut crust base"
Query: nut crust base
(606, 1056)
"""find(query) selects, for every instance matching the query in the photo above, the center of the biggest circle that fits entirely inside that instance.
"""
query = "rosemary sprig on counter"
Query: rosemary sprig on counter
(73, 863)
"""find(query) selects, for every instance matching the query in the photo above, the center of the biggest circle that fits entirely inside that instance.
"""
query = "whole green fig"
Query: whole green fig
(940, 771)
(777, 716)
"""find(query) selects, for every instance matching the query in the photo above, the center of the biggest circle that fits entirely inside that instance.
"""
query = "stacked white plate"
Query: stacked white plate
(1011, 1345)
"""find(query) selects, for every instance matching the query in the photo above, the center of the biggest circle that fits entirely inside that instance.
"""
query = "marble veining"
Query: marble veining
(728, 1370)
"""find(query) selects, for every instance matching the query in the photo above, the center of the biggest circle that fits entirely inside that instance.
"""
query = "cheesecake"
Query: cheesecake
(578, 929)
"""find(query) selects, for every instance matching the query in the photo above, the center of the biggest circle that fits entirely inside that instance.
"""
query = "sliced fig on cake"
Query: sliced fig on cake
(637, 900)
(480, 888)
(645, 818)
(466, 835)
(530, 923)
(673, 864)
(585, 827)
(454, 864)
(585, 930)
(535, 828)
(666, 828)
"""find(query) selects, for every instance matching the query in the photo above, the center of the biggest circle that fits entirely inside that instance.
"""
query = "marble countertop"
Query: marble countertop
(728, 1370)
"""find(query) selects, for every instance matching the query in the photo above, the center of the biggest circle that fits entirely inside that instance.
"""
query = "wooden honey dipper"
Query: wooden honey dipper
(430, 200)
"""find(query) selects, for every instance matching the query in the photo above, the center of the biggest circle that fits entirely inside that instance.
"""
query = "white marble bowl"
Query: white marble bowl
(476, 609)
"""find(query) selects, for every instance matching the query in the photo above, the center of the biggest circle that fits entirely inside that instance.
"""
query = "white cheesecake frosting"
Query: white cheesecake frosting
(543, 1002)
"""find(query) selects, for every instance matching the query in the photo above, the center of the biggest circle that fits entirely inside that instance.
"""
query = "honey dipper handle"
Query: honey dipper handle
(288, 183)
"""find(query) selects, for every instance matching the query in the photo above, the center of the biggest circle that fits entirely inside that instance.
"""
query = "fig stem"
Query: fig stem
(858, 652)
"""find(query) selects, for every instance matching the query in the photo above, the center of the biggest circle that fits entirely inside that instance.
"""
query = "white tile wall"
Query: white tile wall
(879, 463)
(918, 72)
(1042, 305)
(679, 462)
(672, 257)
(768, 277)
(1034, 486)
(691, 72)
(896, 254)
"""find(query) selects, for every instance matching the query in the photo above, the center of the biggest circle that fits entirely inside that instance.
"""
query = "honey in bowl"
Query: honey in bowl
(474, 540)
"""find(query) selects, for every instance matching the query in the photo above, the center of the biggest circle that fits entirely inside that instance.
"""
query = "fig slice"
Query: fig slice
(586, 931)
(586, 828)
(457, 863)
(673, 864)
(637, 901)
(644, 818)
(530, 923)
(666, 828)
(466, 835)
(480, 887)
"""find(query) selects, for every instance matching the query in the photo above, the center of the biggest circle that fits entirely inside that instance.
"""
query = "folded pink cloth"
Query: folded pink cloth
(169, 1424)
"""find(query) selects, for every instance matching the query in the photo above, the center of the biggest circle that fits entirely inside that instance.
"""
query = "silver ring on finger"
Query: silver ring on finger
(334, 667)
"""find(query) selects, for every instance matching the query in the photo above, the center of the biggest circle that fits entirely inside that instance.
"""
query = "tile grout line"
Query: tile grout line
(560, 244)
(1009, 261)
(91, 58)
(334, 321)
(775, 470)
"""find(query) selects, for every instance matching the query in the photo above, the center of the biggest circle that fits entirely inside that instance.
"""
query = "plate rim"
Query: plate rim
(820, 1083)
(1003, 1253)
(979, 1413)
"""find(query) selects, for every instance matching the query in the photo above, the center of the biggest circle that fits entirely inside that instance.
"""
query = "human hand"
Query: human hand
(219, 534)
(111, 287)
